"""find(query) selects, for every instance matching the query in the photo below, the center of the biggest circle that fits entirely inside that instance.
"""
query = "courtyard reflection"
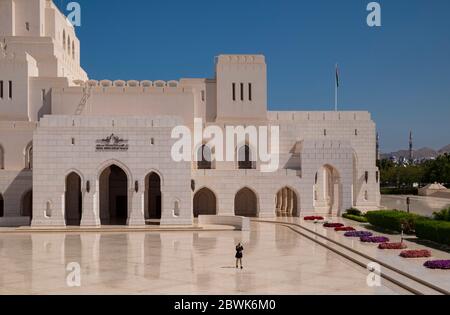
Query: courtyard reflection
(276, 261)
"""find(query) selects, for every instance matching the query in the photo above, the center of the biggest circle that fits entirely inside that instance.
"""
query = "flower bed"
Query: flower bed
(393, 246)
(333, 225)
(424, 253)
(314, 218)
(358, 234)
(344, 229)
(438, 264)
(376, 239)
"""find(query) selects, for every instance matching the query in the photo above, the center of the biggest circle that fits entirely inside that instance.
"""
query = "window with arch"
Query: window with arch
(73, 50)
(29, 157)
(2, 206)
(2, 158)
(64, 40)
(176, 208)
(204, 158)
(245, 161)
(68, 44)
(48, 209)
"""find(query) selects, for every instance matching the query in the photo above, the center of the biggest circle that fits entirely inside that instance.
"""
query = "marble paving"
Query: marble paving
(277, 261)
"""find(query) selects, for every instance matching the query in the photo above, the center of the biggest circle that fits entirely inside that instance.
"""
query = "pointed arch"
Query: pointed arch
(114, 193)
(205, 202)
(26, 204)
(246, 203)
(109, 163)
(153, 196)
(73, 199)
(287, 202)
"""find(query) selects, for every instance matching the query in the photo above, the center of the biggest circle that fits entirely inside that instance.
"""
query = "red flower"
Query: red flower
(333, 225)
(416, 253)
(392, 246)
(344, 229)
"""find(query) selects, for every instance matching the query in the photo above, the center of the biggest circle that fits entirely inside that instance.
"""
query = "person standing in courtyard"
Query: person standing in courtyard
(239, 255)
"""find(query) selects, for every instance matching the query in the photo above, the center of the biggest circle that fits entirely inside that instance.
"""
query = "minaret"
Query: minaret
(411, 154)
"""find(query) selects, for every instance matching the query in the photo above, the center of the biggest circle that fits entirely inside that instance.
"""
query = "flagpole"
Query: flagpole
(335, 98)
(336, 90)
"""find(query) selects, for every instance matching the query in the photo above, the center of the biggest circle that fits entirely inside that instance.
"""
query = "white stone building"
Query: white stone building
(75, 151)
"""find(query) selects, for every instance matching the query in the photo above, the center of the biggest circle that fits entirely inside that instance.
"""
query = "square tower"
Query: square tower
(241, 87)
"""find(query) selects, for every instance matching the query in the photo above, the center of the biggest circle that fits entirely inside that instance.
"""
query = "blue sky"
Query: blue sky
(399, 72)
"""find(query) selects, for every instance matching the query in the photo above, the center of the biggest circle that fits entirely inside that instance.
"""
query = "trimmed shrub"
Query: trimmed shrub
(443, 215)
(394, 220)
(436, 231)
(361, 219)
(353, 211)
(399, 191)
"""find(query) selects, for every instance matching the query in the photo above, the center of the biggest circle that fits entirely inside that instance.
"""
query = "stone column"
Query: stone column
(91, 206)
(136, 216)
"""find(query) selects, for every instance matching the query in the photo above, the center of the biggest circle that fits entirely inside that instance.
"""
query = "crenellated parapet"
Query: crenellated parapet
(319, 116)
(132, 86)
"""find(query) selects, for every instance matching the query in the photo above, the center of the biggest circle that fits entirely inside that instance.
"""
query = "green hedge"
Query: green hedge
(393, 220)
(354, 211)
(437, 231)
(399, 191)
(357, 218)
(443, 215)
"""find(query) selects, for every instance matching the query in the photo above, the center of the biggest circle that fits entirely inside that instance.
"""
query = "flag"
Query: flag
(337, 76)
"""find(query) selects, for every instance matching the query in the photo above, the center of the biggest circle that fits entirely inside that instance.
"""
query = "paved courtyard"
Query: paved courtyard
(278, 261)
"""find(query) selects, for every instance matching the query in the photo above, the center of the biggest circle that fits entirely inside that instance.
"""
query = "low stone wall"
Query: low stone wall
(240, 223)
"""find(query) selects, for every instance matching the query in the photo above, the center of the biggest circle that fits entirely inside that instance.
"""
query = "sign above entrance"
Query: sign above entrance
(111, 143)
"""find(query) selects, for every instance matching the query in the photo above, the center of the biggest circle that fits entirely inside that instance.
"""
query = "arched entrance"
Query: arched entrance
(73, 200)
(153, 197)
(2, 206)
(327, 190)
(205, 203)
(26, 209)
(246, 203)
(286, 203)
(113, 184)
